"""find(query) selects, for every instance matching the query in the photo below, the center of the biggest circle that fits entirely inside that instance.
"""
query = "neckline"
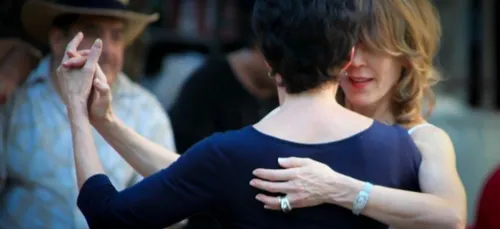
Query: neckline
(323, 144)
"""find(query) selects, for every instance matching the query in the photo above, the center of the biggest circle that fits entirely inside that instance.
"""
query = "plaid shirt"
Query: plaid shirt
(40, 190)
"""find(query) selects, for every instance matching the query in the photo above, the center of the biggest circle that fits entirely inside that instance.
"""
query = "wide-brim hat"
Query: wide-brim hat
(37, 16)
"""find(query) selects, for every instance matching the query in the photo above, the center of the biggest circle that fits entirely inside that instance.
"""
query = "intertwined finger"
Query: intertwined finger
(78, 60)
(75, 62)
(93, 58)
(276, 174)
(83, 52)
(73, 44)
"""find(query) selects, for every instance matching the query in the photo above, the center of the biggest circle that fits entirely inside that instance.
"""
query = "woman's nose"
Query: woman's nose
(358, 58)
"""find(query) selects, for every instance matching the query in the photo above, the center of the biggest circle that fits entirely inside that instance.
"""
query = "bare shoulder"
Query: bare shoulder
(433, 142)
(431, 134)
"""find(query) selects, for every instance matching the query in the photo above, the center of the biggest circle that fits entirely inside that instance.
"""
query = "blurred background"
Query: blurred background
(468, 100)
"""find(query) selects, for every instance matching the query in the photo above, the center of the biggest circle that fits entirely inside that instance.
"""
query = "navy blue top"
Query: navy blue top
(214, 175)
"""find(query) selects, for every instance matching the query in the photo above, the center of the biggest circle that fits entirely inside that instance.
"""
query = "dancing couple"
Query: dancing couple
(366, 160)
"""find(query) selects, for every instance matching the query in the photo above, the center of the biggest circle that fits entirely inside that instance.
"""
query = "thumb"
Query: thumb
(99, 74)
(293, 162)
(96, 94)
(101, 87)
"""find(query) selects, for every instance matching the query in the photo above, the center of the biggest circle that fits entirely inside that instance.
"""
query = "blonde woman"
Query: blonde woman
(391, 74)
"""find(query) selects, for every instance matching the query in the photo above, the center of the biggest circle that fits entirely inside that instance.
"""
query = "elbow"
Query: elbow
(454, 220)
(457, 218)
(458, 222)
(96, 218)
(448, 219)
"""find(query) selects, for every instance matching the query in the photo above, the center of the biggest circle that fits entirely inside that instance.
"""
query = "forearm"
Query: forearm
(402, 209)
(145, 156)
(87, 161)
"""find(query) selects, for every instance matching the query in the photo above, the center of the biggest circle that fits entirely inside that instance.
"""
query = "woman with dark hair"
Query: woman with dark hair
(307, 45)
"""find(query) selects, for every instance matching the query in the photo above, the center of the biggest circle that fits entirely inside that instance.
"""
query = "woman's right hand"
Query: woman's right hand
(100, 100)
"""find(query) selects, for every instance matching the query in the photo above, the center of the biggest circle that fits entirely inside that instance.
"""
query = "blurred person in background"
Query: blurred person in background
(224, 93)
(17, 59)
(40, 188)
(488, 203)
(391, 74)
(16, 49)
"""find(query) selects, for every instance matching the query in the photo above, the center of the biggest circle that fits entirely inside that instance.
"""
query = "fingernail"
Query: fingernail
(98, 43)
(79, 34)
(252, 182)
(255, 172)
(257, 197)
(266, 207)
(281, 159)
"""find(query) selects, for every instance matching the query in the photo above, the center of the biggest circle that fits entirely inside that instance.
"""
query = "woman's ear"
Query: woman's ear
(406, 64)
(405, 67)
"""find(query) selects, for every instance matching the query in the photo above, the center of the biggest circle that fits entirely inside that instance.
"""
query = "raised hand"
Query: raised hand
(100, 99)
(75, 84)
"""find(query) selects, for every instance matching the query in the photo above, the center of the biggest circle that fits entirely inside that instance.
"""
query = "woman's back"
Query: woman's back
(213, 176)
(381, 154)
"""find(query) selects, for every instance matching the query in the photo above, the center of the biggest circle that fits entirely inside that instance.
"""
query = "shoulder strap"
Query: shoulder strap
(411, 130)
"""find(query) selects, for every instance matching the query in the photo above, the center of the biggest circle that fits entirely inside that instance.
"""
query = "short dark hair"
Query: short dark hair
(303, 40)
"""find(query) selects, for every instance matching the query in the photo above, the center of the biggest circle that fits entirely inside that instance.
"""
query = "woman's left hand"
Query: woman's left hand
(305, 182)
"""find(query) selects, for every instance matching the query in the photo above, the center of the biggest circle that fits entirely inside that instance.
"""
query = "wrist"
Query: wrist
(105, 122)
(75, 107)
(347, 190)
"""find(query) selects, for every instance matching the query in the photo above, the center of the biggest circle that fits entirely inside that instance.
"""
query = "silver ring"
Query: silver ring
(284, 204)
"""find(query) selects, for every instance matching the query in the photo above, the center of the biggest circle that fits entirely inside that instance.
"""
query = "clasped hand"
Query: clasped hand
(78, 73)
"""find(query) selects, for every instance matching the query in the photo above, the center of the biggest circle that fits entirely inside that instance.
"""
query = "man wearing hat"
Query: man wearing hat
(40, 189)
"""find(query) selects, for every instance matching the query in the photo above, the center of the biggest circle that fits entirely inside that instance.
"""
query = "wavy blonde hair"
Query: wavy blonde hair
(408, 29)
